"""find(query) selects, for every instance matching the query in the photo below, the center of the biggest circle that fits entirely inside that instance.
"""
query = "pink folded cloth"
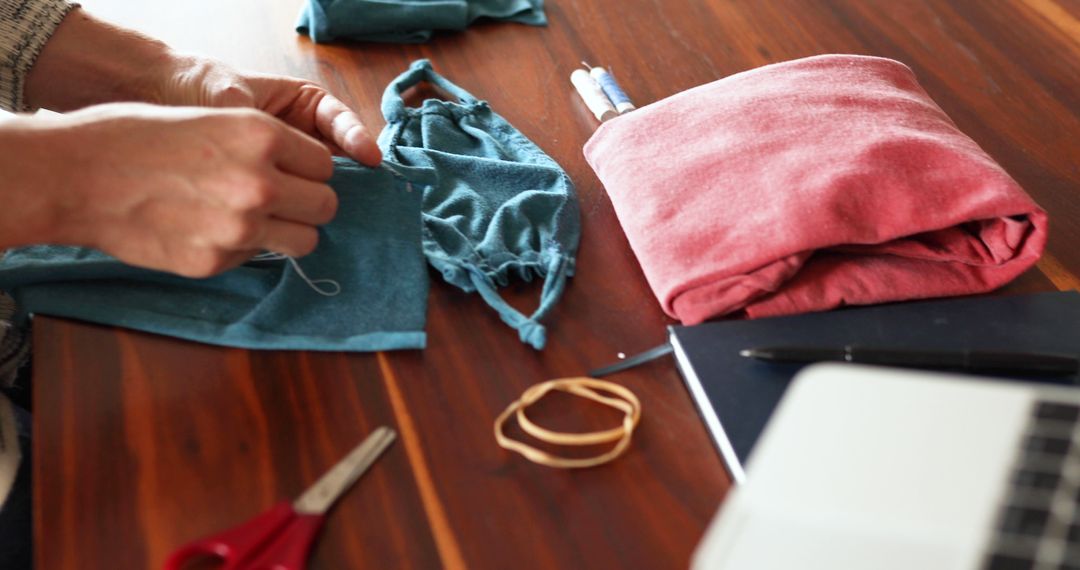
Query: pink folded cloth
(807, 185)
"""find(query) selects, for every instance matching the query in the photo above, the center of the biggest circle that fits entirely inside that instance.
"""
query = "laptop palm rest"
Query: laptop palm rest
(874, 468)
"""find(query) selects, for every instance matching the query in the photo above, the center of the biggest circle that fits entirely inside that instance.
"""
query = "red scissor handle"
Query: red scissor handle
(278, 539)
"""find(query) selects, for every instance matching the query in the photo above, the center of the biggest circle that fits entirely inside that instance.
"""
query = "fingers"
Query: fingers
(297, 153)
(342, 126)
(309, 108)
(290, 238)
(302, 201)
(280, 207)
(235, 235)
(287, 222)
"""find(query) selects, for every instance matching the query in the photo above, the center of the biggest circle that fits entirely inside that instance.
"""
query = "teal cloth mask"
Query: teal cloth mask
(372, 251)
(407, 21)
(500, 206)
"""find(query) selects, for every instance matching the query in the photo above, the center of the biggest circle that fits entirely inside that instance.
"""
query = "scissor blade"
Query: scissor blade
(320, 496)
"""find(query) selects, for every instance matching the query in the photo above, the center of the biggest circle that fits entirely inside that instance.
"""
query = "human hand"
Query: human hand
(180, 189)
(197, 81)
(80, 67)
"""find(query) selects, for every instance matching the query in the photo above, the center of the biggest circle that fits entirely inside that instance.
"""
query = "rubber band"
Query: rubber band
(589, 388)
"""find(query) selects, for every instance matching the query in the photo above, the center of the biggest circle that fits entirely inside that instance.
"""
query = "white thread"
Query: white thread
(593, 96)
(333, 290)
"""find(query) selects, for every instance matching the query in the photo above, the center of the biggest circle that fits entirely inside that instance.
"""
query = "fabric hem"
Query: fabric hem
(258, 339)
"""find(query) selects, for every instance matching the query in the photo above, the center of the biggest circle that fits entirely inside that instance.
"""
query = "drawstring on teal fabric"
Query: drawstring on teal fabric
(530, 331)
(393, 106)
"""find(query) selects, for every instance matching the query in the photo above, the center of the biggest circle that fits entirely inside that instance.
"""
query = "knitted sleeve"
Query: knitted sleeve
(10, 454)
(25, 26)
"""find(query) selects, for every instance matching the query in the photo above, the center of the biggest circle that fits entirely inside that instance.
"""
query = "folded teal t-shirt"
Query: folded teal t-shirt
(372, 249)
(407, 21)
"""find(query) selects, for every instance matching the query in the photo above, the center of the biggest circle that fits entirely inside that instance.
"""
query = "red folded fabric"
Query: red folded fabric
(807, 185)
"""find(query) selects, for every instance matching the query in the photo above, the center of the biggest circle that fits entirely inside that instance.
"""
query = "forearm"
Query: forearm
(88, 61)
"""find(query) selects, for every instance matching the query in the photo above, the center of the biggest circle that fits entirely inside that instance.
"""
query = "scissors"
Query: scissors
(281, 537)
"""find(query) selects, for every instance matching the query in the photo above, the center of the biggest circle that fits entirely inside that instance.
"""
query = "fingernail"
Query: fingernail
(362, 148)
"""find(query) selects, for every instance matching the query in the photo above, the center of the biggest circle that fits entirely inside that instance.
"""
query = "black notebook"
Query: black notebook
(736, 395)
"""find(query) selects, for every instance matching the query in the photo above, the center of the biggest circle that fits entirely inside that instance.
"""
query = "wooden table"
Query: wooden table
(143, 442)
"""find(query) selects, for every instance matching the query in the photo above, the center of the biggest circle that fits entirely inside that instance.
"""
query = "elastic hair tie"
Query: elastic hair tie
(625, 401)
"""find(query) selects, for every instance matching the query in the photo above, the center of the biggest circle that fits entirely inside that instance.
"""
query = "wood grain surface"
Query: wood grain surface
(143, 442)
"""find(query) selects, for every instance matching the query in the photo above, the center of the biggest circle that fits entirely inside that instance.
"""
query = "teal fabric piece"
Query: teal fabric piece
(500, 208)
(372, 248)
(407, 21)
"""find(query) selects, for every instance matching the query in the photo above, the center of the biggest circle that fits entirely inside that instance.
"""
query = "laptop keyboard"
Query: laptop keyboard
(1039, 525)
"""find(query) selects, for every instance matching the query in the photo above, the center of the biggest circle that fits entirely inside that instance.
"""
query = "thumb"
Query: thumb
(340, 124)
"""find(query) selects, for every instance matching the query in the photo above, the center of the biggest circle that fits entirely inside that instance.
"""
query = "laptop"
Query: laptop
(880, 468)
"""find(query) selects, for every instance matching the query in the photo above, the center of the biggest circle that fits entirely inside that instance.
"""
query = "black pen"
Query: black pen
(1014, 363)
